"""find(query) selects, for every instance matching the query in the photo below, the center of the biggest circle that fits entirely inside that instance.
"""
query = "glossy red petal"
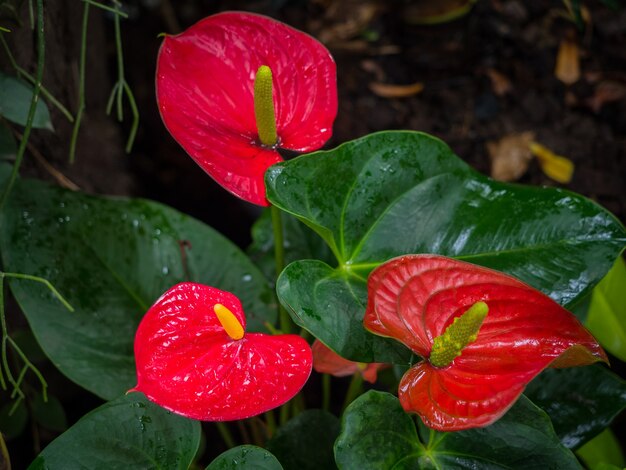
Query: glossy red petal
(415, 298)
(188, 364)
(204, 86)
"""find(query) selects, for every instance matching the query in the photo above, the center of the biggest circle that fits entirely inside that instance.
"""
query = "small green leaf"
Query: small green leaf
(377, 434)
(111, 258)
(580, 401)
(15, 97)
(129, 432)
(306, 441)
(606, 318)
(399, 192)
(12, 424)
(245, 457)
(604, 449)
(49, 414)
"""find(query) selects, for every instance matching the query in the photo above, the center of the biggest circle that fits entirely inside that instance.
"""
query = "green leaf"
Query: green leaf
(129, 432)
(49, 414)
(245, 457)
(580, 401)
(400, 192)
(12, 424)
(15, 97)
(606, 318)
(8, 146)
(604, 449)
(306, 441)
(111, 258)
(299, 242)
(377, 434)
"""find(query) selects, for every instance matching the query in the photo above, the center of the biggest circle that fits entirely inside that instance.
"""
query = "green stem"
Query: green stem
(226, 435)
(44, 91)
(33, 104)
(107, 8)
(270, 422)
(45, 282)
(279, 260)
(354, 390)
(81, 83)
(326, 392)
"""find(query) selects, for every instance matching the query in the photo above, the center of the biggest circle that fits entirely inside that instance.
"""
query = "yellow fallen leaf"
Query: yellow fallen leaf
(557, 167)
(396, 91)
(567, 62)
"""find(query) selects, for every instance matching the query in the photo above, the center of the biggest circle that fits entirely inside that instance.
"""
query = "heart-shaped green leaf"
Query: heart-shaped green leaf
(129, 432)
(400, 192)
(306, 441)
(377, 434)
(581, 402)
(15, 97)
(245, 457)
(111, 258)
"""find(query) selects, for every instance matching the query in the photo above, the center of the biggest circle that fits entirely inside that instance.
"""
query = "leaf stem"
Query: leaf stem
(226, 434)
(33, 104)
(354, 390)
(279, 260)
(326, 392)
(81, 83)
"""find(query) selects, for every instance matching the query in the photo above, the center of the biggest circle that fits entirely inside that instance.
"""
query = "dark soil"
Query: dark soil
(373, 41)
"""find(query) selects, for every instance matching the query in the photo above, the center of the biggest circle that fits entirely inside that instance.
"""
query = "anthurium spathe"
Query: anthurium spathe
(483, 336)
(194, 357)
(327, 361)
(230, 125)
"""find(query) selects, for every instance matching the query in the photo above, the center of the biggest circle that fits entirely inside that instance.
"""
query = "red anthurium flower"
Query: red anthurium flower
(483, 336)
(230, 125)
(194, 358)
(327, 361)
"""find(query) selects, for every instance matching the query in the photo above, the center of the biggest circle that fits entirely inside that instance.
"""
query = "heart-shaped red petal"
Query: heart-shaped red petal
(415, 298)
(187, 363)
(205, 92)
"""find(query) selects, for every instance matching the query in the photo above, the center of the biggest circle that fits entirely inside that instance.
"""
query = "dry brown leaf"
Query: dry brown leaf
(510, 156)
(396, 91)
(606, 91)
(374, 68)
(567, 67)
(500, 83)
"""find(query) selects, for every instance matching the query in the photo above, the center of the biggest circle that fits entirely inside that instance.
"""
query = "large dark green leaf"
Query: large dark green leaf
(15, 97)
(377, 434)
(581, 402)
(306, 442)
(130, 433)
(394, 193)
(245, 458)
(111, 258)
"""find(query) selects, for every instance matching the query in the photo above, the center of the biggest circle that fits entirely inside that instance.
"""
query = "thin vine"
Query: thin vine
(33, 104)
(6, 341)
